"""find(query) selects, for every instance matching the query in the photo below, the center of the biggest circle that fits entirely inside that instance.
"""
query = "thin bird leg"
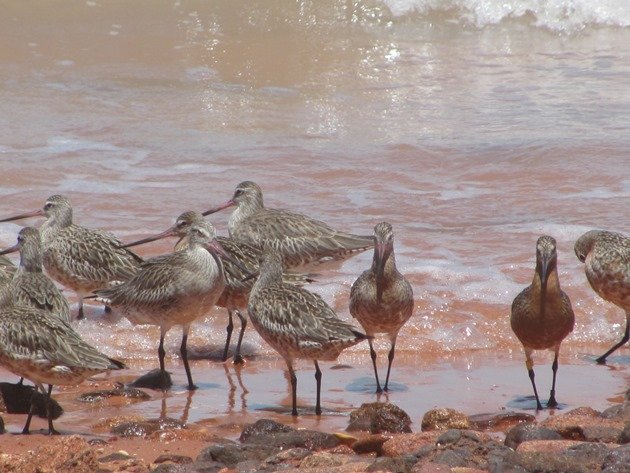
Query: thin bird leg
(318, 379)
(293, 379)
(626, 337)
(228, 329)
(390, 358)
(529, 363)
(238, 359)
(184, 352)
(554, 367)
(31, 411)
(373, 355)
(161, 352)
(161, 355)
(80, 316)
(49, 411)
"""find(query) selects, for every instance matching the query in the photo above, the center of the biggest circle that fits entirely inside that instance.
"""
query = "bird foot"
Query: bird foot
(238, 360)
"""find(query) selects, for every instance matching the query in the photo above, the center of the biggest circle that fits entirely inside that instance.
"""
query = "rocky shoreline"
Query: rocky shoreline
(378, 438)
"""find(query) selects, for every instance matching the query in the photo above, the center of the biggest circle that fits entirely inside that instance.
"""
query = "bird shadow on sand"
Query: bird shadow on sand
(611, 361)
(528, 403)
(214, 352)
(367, 385)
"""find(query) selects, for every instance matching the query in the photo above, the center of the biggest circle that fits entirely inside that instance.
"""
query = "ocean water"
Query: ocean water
(473, 126)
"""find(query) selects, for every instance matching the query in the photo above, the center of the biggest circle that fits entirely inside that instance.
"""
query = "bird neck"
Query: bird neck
(31, 259)
(549, 291)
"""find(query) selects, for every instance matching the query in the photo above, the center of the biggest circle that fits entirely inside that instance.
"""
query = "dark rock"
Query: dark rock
(585, 457)
(613, 412)
(452, 458)
(174, 468)
(16, 398)
(602, 433)
(377, 417)
(262, 427)
(271, 433)
(520, 433)
(393, 465)
(154, 379)
(444, 419)
(500, 421)
(144, 428)
(204, 466)
(617, 461)
(450, 436)
(172, 458)
(496, 459)
(232, 454)
(625, 434)
(290, 456)
(122, 391)
(3, 430)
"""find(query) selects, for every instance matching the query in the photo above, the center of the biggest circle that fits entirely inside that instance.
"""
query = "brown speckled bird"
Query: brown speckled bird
(30, 286)
(381, 299)
(296, 323)
(237, 284)
(606, 258)
(173, 289)
(298, 238)
(44, 348)
(77, 257)
(542, 316)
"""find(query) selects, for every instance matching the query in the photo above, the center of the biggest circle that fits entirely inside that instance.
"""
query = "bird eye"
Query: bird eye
(238, 192)
(48, 206)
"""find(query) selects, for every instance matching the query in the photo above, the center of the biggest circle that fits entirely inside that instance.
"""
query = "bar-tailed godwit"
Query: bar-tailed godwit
(381, 299)
(80, 258)
(542, 316)
(237, 286)
(44, 348)
(173, 289)
(606, 258)
(30, 286)
(296, 323)
(300, 239)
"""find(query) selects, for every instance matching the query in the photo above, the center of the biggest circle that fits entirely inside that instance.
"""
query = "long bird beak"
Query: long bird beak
(225, 205)
(165, 234)
(545, 266)
(36, 213)
(381, 254)
(12, 249)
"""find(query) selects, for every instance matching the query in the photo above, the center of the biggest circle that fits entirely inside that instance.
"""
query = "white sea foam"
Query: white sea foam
(556, 15)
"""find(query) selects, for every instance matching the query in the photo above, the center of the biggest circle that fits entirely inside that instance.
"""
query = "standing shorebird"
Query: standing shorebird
(541, 314)
(44, 348)
(300, 239)
(381, 299)
(80, 258)
(296, 322)
(607, 265)
(30, 286)
(237, 286)
(173, 289)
